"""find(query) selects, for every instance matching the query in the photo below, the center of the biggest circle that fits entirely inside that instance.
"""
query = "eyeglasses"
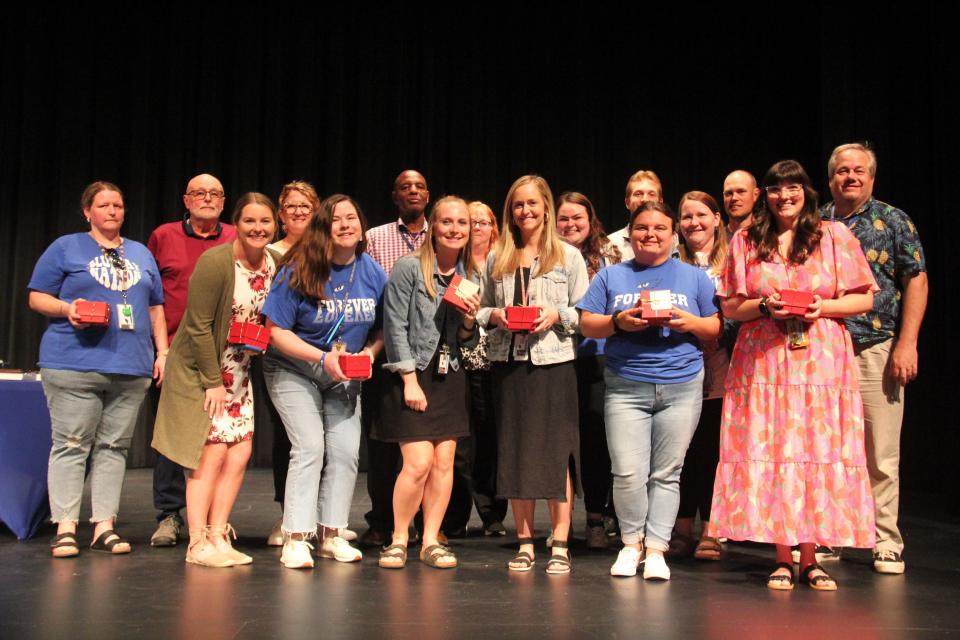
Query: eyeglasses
(200, 194)
(483, 224)
(789, 191)
(293, 208)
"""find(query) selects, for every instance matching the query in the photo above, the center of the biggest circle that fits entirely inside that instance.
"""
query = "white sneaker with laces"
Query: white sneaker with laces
(296, 554)
(655, 567)
(627, 562)
(340, 550)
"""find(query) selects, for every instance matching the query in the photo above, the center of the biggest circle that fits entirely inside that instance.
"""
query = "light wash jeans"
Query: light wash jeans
(649, 427)
(92, 415)
(323, 425)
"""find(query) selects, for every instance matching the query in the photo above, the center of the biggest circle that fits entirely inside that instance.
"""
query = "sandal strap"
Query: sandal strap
(816, 580)
(68, 539)
(394, 551)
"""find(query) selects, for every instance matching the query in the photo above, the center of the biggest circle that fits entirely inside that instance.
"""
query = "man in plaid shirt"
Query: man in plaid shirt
(388, 242)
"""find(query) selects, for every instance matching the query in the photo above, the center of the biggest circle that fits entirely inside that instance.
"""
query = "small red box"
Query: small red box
(796, 302)
(521, 318)
(355, 367)
(458, 290)
(92, 312)
(656, 306)
(249, 335)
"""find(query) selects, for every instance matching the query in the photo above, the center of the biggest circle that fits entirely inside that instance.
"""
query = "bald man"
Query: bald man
(740, 195)
(177, 246)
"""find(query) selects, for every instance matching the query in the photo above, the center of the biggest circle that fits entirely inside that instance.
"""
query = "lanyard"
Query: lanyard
(403, 235)
(115, 257)
(328, 339)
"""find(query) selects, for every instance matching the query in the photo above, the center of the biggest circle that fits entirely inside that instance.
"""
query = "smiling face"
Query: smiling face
(651, 237)
(527, 209)
(785, 201)
(345, 228)
(573, 223)
(295, 213)
(698, 225)
(255, 226)
(852, 182)
(105, 213)
(451, 226)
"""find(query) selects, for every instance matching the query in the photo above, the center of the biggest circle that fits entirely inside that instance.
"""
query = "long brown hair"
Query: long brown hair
(310, 259)
(427, 253)
(718, 254)
(595, 245)
(551, 246)
(763, 233)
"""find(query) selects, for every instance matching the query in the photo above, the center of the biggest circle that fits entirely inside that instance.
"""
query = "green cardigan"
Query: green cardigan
(193, 364)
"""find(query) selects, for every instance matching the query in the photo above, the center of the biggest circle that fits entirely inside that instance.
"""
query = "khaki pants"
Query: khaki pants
(883, 418)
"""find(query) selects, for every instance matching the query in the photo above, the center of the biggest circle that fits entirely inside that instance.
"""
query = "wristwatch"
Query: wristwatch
(763, 308)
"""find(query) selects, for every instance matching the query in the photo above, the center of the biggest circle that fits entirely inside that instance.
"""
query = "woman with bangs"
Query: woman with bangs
(428, 395)
(534, 379)
(324, 305)
(703, 244)
(792, 464)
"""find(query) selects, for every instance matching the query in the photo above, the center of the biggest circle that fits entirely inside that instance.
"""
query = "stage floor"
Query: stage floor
(152, 593)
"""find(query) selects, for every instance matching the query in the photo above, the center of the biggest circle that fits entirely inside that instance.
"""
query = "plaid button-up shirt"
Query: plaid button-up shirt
(388, 242)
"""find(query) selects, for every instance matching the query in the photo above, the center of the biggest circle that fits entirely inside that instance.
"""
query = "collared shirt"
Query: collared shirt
(892, 246)
(388, 242)
(176, 248)
(621, 239)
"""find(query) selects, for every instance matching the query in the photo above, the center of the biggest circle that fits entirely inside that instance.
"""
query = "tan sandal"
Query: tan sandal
(393, 557)
(438, 557)
(708, 549)
(64, 545)
(203, 552)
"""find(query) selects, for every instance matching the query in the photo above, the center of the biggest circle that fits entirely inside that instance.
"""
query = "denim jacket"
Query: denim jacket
(411, 319)
(560, 288)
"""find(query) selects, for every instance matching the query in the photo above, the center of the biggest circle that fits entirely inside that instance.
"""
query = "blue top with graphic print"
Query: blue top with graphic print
(892, 247)
(75, 267)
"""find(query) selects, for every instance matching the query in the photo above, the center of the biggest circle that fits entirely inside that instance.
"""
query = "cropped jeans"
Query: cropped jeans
(649, 427)
(92, 415)
(323, 425)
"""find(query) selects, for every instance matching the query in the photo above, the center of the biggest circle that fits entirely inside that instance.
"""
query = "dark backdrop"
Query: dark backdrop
(475, 97)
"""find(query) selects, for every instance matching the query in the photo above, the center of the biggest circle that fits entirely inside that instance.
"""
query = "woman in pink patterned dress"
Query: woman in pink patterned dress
(792, 467)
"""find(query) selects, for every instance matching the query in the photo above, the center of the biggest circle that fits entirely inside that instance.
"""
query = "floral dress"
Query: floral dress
(249, 293)
(792, 463)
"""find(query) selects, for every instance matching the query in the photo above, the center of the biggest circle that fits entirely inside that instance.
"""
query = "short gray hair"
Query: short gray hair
(853, 146)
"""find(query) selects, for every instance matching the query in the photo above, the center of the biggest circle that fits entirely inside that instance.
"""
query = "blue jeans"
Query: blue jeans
(324, 429)
(92, 415)
(649, 427)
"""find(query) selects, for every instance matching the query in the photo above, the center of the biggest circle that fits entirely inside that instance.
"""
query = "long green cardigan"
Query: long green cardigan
(193, 364)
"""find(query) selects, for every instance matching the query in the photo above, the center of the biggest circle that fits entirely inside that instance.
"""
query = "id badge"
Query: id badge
(443, 360)
(520, 346)
(125, 317)
(797, 334)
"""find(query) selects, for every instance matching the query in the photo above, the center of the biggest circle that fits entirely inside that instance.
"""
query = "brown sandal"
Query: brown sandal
(393, 557)
(780, 582)
(434, 556)
(64, 545)
(822, 582)
(523, 561)
(708, 549)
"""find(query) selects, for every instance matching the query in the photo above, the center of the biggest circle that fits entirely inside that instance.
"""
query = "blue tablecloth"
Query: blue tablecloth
(24, 451)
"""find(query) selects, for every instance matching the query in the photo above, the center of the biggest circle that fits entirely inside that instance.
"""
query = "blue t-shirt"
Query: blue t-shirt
(648, 355)
(360, 304)
(75, 267)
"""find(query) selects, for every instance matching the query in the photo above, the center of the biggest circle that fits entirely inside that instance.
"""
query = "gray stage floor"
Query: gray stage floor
(154, 594)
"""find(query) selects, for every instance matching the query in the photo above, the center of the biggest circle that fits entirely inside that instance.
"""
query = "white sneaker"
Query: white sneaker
(347, 534)
(655, 567)
(340, 550)
(296, 554)
(627, 562)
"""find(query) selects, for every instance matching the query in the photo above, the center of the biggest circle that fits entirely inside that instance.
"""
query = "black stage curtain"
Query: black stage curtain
(473, 97)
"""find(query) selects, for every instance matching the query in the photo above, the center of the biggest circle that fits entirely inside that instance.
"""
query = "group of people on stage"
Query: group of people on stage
(748, 371)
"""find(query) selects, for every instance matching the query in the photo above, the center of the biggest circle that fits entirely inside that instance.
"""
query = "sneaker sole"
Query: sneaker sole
(330, 556)
(302, 565)
(623, 574)
(890, 570)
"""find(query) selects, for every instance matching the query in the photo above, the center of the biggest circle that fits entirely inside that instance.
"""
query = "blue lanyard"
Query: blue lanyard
(328, 339)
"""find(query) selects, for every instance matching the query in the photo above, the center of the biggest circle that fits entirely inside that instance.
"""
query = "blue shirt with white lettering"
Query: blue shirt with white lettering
(359, 304)
(656, 355)
(75, 267)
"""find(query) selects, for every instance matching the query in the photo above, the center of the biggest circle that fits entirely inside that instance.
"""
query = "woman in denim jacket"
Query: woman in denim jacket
(533, 374)
(428, 396)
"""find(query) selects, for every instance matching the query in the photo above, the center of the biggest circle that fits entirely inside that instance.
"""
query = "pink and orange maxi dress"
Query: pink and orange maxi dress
(792, 464)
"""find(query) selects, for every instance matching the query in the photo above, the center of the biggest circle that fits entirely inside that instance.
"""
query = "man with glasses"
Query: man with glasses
(885, 338)
(177, 246)
(740, 195)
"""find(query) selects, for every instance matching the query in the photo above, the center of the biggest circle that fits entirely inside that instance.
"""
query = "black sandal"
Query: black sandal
(523, 561)
(101, 544)
(779, 582)
(559, 564)
(65, 541)
(823, 582)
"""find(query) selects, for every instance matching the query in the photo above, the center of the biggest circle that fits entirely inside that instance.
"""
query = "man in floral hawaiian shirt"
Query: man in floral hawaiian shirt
(885, 338)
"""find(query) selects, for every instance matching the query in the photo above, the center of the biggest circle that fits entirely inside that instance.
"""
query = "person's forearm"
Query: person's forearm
(289, 343)
(596, 325)
(915, 291)
(851, 304)
(158, 323)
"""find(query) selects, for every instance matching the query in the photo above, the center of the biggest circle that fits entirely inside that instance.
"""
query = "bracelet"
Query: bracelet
(163, 352)
(323, 357)
(614, 317)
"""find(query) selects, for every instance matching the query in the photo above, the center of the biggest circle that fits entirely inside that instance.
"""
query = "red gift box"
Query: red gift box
(656, 306)
(249, 335)
(796, 302)
(521, 318)
(92, 312)
(458, 290)
(355, 367)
